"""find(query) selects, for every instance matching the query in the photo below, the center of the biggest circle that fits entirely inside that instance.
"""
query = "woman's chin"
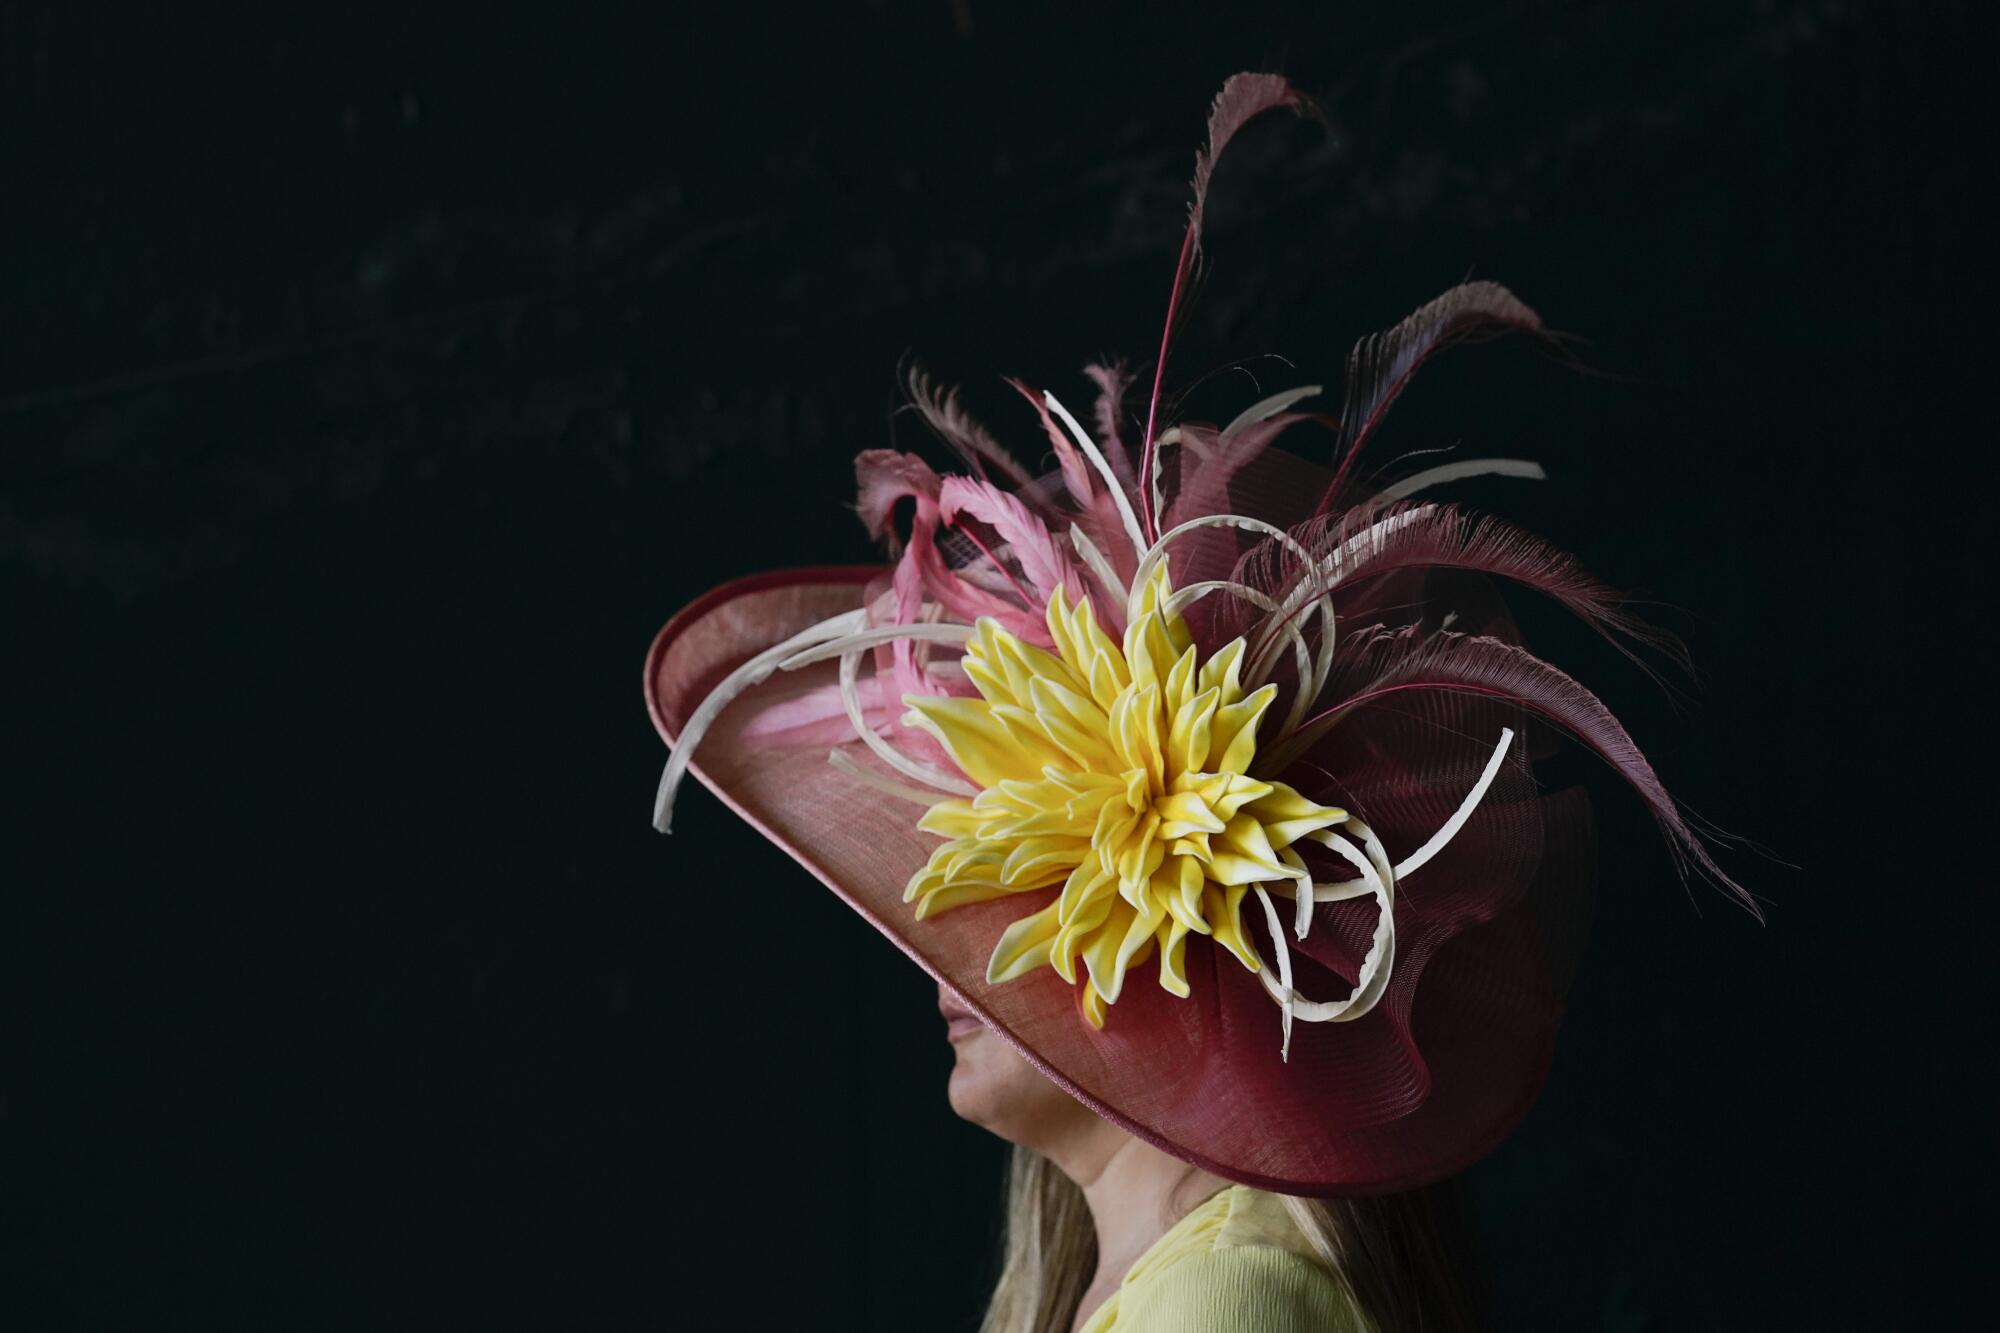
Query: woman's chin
(972, 1087)
(993, 1086)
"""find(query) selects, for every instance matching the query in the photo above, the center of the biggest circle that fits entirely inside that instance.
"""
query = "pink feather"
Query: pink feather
(1069, 459)
(819, 716)
(1045, 564)
(1112, 381)
(947, 417)
(1098, 518)
(884, 478)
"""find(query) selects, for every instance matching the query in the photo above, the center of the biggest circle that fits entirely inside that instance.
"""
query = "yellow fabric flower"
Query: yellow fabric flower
(1123, 776)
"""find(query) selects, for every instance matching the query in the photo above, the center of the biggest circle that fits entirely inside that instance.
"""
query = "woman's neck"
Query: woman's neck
(1135, 1193)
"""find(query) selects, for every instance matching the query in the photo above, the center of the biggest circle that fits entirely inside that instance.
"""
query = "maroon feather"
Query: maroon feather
(1442, 536)
(1382, 363)
(1243, 97)
(1375, 666)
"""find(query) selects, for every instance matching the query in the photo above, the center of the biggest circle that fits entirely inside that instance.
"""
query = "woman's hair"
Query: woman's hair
(1408, 1260)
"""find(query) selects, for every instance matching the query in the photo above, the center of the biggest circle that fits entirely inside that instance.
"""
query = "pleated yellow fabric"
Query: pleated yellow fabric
(1236, 1264)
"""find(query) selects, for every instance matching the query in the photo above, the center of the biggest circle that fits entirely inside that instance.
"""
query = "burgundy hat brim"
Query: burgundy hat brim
(1200, 1078)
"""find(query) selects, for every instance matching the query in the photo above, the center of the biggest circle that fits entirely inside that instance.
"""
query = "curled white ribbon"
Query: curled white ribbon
(835, 637)
(1379, 878)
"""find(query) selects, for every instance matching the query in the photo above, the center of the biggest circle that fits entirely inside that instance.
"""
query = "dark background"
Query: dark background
(375, 382)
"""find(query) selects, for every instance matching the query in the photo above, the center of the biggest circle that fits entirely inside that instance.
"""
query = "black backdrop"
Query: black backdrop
(376, 382)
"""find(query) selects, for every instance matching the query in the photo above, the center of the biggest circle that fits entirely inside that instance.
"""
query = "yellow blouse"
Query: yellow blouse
(1236, 1264)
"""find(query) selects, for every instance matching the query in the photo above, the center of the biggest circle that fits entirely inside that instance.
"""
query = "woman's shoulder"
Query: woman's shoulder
(1238, 1262)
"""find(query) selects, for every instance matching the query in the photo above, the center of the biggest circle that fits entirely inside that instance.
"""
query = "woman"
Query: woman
(1201, 777)
(1105, 1231)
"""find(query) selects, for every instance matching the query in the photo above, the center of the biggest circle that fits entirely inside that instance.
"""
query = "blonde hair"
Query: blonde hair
(1048, 1253)
(1405, 1259)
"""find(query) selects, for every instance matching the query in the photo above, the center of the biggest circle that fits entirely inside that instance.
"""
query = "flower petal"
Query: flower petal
(1193, 729)
(1243, 855)
(1288, 816)
(1023, 946)
(1172, 939)
(977, 741)
(1234, 740)
(1183, 813)
(952, 819)
(1224, 909)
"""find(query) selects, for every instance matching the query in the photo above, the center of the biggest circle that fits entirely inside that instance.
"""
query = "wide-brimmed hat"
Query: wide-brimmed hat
(1202, 772)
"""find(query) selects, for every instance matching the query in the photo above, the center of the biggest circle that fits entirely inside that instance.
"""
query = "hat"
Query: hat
(1202, 772)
